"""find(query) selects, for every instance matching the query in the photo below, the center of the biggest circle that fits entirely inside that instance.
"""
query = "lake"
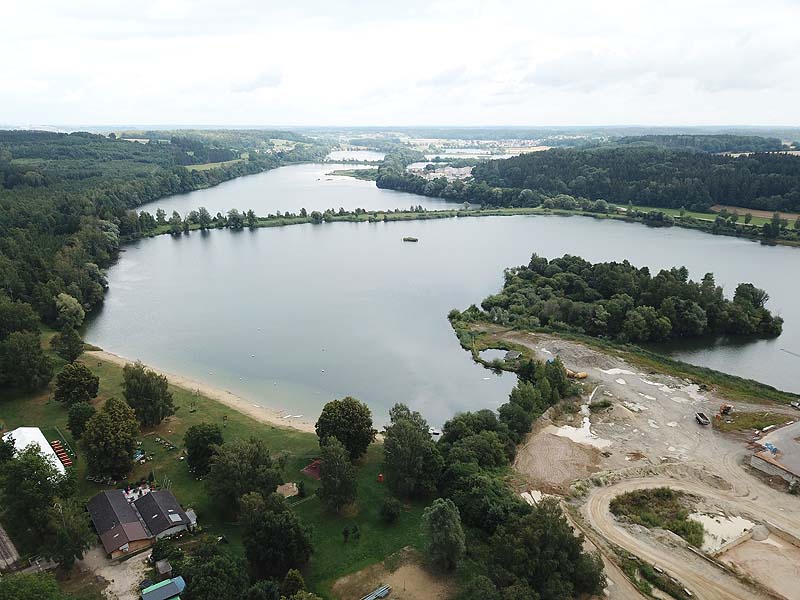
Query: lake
(293, 317)
(308, 186)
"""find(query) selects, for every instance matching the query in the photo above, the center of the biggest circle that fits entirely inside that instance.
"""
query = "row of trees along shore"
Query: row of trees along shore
(598, 180)
(67, 203)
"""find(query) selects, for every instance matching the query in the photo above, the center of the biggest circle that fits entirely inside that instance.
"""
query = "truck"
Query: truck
(702, 418)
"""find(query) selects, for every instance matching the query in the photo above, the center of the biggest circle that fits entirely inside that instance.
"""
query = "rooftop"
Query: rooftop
(787, 440)
(25, 436)
(169, 588)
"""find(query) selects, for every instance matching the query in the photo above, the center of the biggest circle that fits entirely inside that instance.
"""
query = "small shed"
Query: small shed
(165, 590)
(163, 569)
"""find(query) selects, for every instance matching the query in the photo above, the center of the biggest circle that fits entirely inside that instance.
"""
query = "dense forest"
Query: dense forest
(654, 176)
(707, 143)
(643, 175)
(617, 300)
(66, 204)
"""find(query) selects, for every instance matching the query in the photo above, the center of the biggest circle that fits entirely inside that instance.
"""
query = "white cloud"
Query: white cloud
(465, 62)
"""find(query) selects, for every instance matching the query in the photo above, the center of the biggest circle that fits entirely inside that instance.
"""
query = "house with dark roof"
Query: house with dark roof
(119, 526)
(161, 513)
(128, 526)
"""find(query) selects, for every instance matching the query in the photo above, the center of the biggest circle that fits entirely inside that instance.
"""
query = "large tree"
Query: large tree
(337, 476)
(77, 417)
(28, 484)
(443, 534)
(69, 535)
(23, 363)
(350, 422)
(70, 312)
(274, 538)
(541, 551)
(411, 459)
(76, 383)
(109, 439)
(200, 441)
(239, 467)
(67, 344)
(147, 393)
(214, 574)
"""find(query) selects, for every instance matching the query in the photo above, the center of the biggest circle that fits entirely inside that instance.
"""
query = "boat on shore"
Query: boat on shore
(410, 239)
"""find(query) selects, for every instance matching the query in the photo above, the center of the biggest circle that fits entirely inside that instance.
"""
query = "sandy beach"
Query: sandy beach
(259, 413)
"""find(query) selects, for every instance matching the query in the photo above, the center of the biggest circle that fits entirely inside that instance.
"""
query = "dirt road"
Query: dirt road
(649, 438)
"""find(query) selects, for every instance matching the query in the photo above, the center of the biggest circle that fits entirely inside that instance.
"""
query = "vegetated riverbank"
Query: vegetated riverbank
(359, 215)
(481, 335)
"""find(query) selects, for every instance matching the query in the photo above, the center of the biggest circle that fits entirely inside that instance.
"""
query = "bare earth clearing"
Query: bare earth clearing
(123, 577)
(648, 438)
(411, 580)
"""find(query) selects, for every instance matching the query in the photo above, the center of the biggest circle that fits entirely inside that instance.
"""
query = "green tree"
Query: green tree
(23, 363)
(161, 216)
(252, 219)
(274, 539)
(747, 218)
(214, 574)
(147, 393)
(240, 467)
(411, 459)
(79, 414)
(69, 534)
(350, 422)
(70, 312)
(109, 439)
(479, 588)
(337, 476)
(67, 344)
(443, 534)
(76, 383)
(204, 218)
(175, 223)
(28, 484)
(7, 449)
(390, 509)
(31, 586)
(540, 549)
(200, 441)
(16, 316)
(292, 583)
(266, 589)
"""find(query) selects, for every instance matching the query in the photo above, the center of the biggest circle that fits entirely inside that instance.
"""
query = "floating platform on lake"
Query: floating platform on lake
(410, 239)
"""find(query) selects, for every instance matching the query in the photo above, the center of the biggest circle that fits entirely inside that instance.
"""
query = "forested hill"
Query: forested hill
(653, 176)
(707, 143)
(619, 301)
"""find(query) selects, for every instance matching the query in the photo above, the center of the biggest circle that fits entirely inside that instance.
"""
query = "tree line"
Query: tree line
(625, 303)
(644, 175)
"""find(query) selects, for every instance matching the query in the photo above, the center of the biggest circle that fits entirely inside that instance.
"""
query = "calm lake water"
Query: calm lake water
(308, 186)
(355, 155)
(292, 317)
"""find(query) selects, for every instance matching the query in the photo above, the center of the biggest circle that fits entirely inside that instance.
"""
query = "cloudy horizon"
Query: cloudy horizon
(245, 62)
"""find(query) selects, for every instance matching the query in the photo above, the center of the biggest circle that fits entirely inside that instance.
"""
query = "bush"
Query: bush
(390, 509)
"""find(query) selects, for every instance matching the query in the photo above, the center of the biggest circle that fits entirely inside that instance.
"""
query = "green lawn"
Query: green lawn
(207, 166)
(332, 558)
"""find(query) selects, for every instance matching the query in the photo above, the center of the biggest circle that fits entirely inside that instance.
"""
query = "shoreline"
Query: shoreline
(263, 414)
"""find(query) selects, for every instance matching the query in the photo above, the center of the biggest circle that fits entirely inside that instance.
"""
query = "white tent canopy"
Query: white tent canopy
(25, 436)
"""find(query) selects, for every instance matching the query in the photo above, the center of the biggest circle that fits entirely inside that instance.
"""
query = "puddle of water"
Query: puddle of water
(621, 381)
(616, 371)
(583, 434)
(720, 529)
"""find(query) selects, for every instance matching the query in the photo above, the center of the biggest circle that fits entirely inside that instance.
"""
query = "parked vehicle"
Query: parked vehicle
(795, 405)
(702, 418)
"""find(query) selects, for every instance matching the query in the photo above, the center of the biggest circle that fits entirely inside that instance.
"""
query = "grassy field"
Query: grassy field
(757, 221)
(662, 508)
(743, 421)
(216, 165)
(332, 558)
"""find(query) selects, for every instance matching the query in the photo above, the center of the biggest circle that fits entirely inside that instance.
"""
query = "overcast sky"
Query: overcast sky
(306, 62)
